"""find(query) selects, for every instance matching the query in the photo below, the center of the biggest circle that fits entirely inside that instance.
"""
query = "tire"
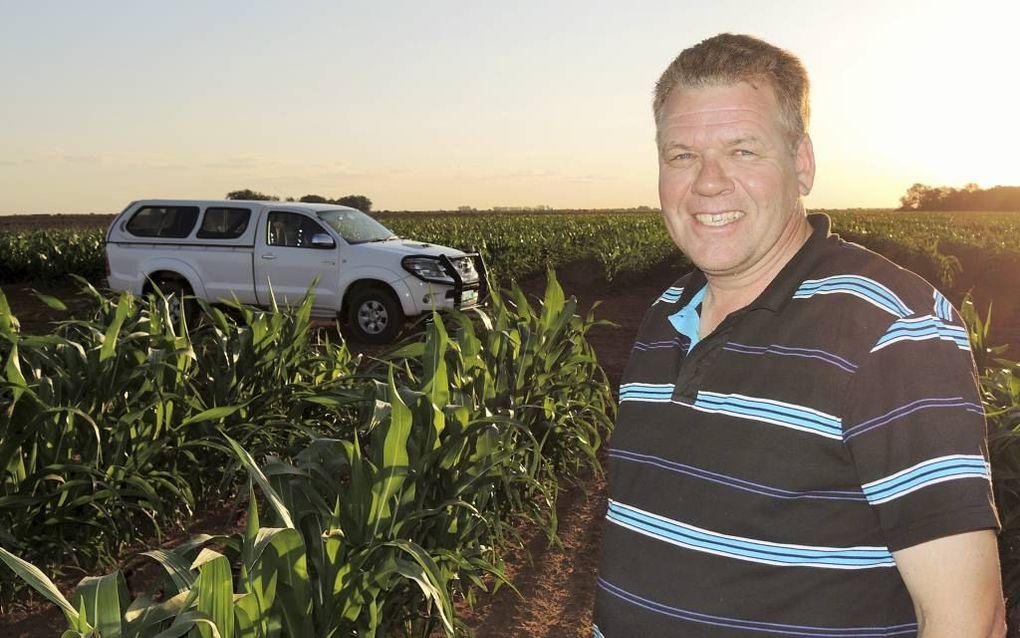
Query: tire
(179, 299)
(374, 315)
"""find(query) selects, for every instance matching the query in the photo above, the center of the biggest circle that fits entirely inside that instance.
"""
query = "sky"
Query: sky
(442, 104)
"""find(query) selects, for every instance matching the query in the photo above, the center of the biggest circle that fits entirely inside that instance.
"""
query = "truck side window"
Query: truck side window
(291, 230)
(163, 221)
(224, 223)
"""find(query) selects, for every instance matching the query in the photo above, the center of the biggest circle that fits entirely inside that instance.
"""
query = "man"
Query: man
(800, 447)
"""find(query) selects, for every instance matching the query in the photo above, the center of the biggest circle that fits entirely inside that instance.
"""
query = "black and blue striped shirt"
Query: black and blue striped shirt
(761, 478)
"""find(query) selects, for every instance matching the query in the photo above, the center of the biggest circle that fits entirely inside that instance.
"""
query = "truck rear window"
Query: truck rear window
(224, 223)
(163, 221)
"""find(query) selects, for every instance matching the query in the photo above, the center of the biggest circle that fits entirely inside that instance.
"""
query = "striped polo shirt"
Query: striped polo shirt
(761, 478)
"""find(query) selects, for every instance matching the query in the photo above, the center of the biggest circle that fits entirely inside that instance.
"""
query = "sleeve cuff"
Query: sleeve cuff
(943, 524)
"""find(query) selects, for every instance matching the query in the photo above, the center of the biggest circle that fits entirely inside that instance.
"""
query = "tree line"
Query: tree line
(970, 197)
(360, 202)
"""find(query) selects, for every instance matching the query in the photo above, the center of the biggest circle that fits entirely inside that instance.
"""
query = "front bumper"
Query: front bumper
(424, 296)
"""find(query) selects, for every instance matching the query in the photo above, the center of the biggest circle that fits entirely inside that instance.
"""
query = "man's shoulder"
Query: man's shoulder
(876, 279)
(853, 298)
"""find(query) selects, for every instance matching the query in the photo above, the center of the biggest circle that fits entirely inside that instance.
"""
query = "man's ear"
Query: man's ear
(805, 162)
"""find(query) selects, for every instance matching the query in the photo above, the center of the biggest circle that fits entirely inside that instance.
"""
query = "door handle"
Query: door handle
(329, 263)
(268, 256)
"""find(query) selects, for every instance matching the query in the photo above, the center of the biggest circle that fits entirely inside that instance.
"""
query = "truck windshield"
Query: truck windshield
(355, 226)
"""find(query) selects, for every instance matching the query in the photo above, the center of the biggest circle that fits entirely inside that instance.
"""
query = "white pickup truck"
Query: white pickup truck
(221, 250)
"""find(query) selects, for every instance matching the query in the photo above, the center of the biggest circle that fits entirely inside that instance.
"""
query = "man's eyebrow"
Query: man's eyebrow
(745, 139)
(674, 146)
(737, 141)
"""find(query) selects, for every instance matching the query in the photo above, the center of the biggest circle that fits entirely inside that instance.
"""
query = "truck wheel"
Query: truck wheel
(375, 316)
(178, 298)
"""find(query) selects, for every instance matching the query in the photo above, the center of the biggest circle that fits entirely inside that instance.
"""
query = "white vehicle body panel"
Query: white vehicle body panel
(287, 273)
(244, 267)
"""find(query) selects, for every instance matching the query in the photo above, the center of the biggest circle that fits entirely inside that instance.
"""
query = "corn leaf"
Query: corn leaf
(39, 582)
(256, 474)
(215, 593)
(105, 599)
(113, 330)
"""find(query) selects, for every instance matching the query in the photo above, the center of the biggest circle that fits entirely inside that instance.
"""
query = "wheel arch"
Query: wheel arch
(172, 270)
(361, 284)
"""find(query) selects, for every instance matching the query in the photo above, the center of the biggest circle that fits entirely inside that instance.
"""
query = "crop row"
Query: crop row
(373, 534)
(521, 245)
(990, 232)
(516, 246)
(50, 254)
(392, 485)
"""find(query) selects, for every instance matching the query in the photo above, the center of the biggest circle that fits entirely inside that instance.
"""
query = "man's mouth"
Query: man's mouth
(719, 219)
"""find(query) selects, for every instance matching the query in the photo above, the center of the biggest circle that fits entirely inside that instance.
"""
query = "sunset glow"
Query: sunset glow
(440, 105)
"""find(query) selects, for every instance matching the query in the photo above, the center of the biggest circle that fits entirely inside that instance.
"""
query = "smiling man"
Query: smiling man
(800, 447)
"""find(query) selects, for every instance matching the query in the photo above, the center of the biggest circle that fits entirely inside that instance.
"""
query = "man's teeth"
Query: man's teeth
(719, 219)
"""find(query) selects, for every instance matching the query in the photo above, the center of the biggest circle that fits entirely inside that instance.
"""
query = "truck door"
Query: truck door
(286, 259)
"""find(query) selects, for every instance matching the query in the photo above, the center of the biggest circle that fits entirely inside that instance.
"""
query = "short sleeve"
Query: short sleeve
(915, 427)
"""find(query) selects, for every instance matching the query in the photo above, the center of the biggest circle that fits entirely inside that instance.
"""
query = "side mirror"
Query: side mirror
(322, 240)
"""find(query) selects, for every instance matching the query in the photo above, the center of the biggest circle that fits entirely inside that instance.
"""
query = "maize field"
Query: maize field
(516, 246)
(391, 485)
(378, 490)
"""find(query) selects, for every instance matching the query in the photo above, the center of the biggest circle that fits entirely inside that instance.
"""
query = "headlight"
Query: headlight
(466, 267)
(427, 268)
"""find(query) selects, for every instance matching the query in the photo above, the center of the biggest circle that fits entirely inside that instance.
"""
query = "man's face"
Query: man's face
(729, 182)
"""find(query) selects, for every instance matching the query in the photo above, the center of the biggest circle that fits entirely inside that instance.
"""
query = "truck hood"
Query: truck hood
(402, 247)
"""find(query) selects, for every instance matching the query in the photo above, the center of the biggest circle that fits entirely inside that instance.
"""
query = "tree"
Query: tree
(360, 202)
(970, 197)
(315, 199)
(249, 194)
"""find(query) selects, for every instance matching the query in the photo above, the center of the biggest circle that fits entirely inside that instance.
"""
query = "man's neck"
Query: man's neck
(727, 294)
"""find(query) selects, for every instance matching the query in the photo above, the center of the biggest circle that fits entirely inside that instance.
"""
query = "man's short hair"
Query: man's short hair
(727, 59)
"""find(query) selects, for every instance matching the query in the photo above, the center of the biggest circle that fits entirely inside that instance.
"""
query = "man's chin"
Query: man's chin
(718, 266)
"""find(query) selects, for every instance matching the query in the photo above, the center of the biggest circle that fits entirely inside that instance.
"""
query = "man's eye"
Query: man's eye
(743, 152)
(681, 157)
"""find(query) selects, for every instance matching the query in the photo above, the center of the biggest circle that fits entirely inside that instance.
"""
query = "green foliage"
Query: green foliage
(410, 478)
(51, 254)
(250, 195)
(620, 245)
(109, 426)
(517, 246)
(971, 197)
(360, 202)
(1000, 394)
(992, 232)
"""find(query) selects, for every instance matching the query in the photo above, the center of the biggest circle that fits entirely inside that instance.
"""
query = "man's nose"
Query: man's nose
(712, 178)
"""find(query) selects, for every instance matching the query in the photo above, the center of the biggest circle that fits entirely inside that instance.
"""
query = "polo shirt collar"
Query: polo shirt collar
(687, 320)
(781, 289)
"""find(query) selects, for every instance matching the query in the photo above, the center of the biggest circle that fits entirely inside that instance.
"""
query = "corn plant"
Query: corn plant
(110, 427)
(50, 254)
(1000, 390)
(621, 245)
(376, 531)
